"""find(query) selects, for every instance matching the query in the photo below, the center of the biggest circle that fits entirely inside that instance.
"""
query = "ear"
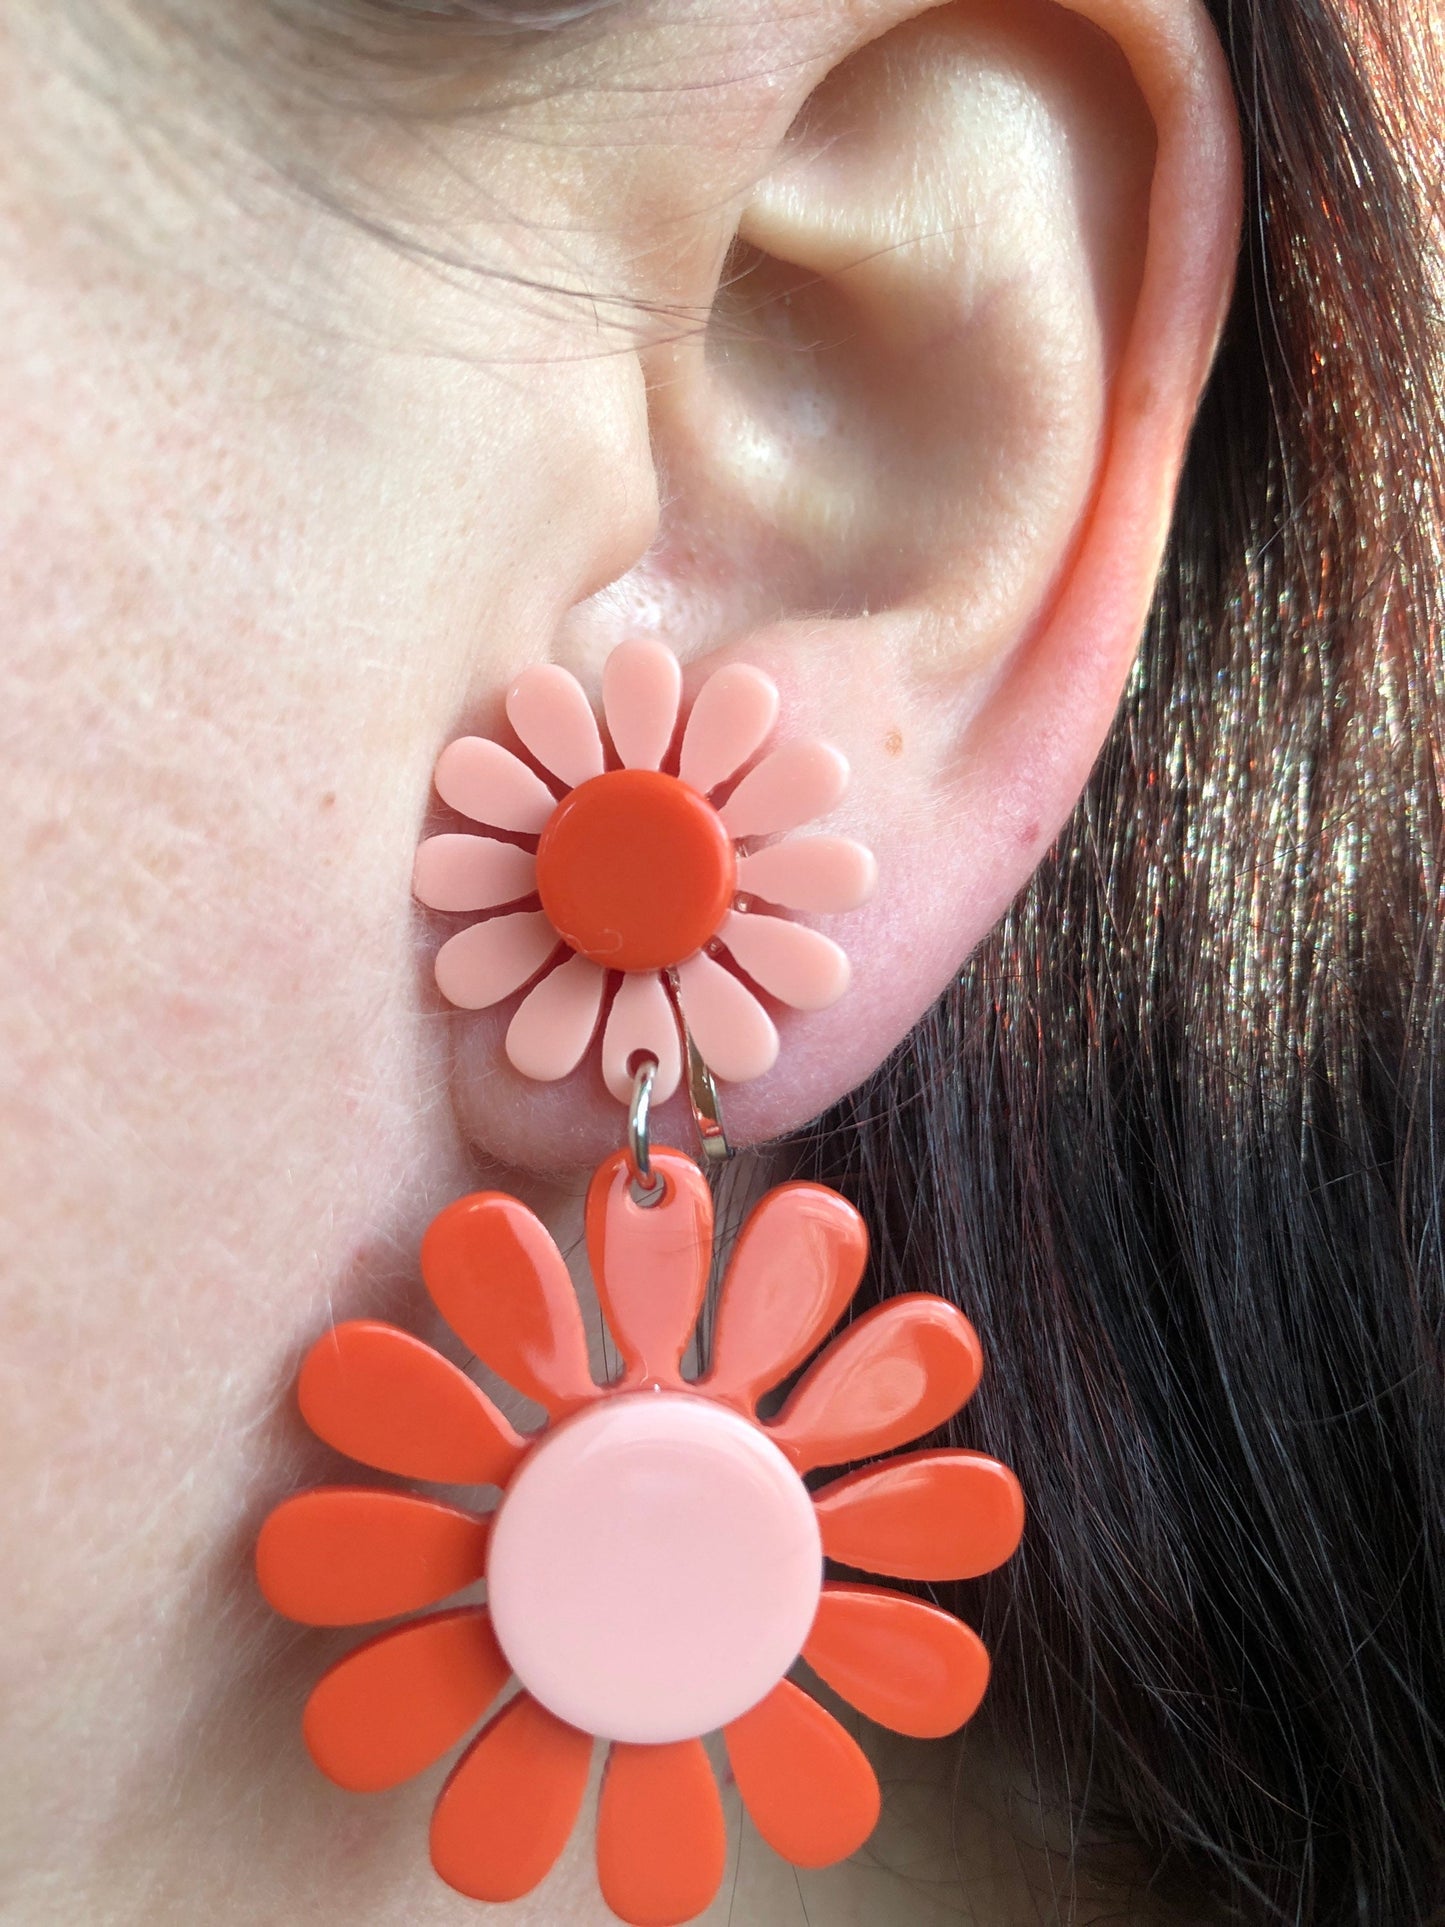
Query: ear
(920, 465)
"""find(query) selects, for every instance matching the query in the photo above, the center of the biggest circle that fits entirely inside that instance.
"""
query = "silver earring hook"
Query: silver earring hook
(706, 1108)
(647, 1185)
(702, 1094)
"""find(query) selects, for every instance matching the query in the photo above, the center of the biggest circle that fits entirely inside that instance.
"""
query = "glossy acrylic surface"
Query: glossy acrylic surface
(389, 1401)
(502, 1285)
(635, 870)
(512, 1799)
(654, 1568)
(661, 1838)
(654, 1564)
(806, 1783)
(903, 1663)
(928, 1515)
(651, 1263)
(346, 1555)
(392, 1707)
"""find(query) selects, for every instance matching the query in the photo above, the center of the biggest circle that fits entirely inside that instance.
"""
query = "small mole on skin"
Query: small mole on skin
(329, 800)
(1141, 402)
(43, 836)
(1030, 836)
(893, 742)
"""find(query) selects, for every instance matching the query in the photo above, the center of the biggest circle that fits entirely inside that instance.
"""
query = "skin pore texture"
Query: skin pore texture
(856, 340)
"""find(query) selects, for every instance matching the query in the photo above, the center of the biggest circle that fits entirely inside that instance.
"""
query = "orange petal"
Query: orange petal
(903, 1664)
(898, 1371)
(811, 1793)
(929, 1515)
(797, 1264)
(512, 1799)
(342, 1555)
(501, 1284)
(396, 1704)
(385, 1398)
(661, 1839)
(651, 1262)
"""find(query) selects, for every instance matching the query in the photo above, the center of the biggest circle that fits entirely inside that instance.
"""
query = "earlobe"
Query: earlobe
(918, 467)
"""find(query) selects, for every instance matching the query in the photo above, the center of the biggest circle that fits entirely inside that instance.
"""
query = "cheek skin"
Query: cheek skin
(224, 1092)
(220, 1117)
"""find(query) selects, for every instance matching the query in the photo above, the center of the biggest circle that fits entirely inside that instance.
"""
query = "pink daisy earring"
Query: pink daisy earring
(654, 1561)
(648, 878)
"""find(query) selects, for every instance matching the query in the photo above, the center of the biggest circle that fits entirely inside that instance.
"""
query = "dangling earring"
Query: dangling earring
(655, 1562)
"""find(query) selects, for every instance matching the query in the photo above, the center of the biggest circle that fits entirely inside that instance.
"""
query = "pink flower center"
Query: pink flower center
(635, 870)
(654, 1567)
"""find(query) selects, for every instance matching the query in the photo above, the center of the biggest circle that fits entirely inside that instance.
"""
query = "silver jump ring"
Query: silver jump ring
(647, 1186)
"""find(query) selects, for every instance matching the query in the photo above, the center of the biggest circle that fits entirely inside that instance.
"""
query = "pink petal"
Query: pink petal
(549, 710)
(796, 965)
(641, 690)
(794, 785)
(734, 1035)
(480, 966)
(821, 874)
(733, 717)
(491, 785)
(642, 1022)
(471, 873)
(556, 1021)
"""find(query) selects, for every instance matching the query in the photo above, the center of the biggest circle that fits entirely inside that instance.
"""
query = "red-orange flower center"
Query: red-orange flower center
(635, 870)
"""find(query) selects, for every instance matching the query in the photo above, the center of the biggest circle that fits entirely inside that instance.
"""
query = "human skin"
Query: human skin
(282, 510)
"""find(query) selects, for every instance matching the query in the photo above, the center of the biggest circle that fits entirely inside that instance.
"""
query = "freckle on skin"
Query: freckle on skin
(42, 837)
(1140, 402)
(893, 742)
(329, 800)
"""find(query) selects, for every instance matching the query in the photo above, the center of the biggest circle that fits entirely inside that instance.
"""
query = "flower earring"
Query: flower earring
(655, 1563)
(641, 878)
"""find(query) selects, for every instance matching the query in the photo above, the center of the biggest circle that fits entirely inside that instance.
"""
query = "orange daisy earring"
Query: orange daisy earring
(655, 1562)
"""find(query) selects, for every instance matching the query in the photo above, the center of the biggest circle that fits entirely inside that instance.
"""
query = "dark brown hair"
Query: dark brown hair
(1175, 1138)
